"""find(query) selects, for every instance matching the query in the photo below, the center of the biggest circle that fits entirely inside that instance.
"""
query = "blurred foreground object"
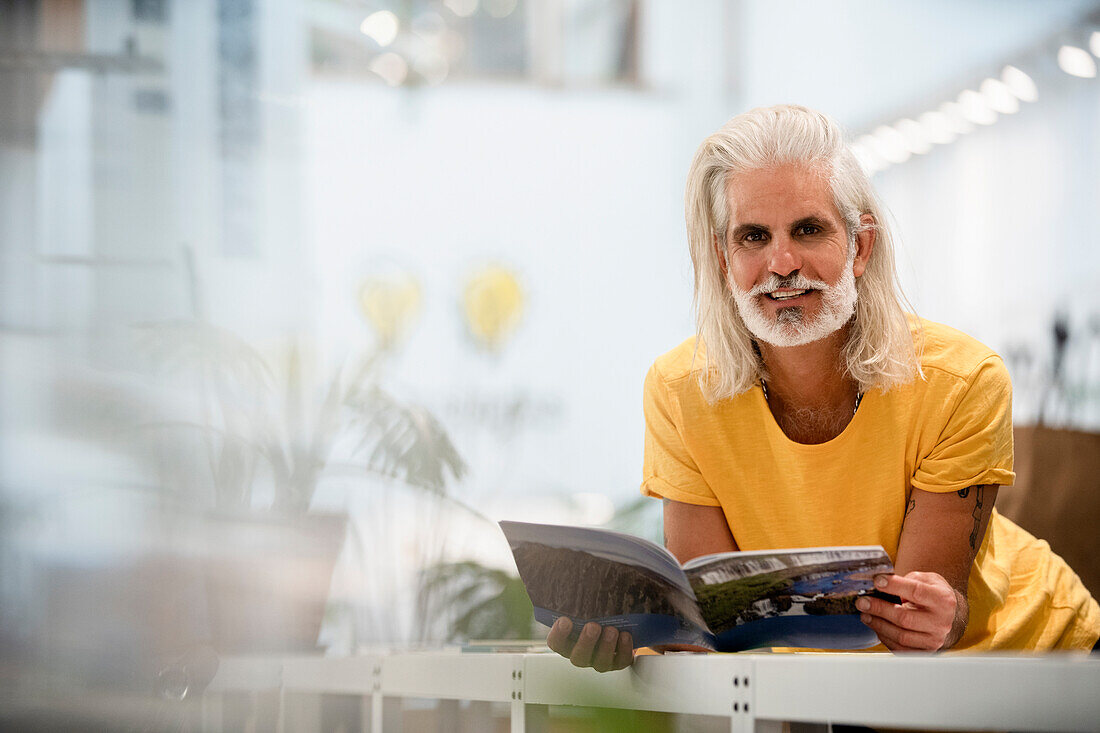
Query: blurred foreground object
(269, 433)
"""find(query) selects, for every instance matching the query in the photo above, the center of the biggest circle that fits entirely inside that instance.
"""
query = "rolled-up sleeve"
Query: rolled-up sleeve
(975, 444)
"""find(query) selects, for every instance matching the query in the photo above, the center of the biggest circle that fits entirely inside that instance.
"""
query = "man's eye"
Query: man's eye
(754, 237)
(808, 229)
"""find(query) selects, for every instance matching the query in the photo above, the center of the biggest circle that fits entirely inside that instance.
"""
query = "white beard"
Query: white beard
(790, 327)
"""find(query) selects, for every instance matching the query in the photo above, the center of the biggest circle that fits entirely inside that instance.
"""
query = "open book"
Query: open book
(726, 602)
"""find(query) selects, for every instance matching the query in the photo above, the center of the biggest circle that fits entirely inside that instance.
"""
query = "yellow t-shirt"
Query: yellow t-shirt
(945, 432)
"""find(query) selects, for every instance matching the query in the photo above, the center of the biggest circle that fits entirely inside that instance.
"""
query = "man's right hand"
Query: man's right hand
(601, 648)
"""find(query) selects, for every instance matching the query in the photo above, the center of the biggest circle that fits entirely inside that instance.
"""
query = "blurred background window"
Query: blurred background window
(427, 42)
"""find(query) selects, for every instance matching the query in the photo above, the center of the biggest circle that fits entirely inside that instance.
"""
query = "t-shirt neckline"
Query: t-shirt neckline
(842, 437)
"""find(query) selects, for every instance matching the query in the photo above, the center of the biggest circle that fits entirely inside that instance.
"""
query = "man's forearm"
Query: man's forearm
(692, 530)
(941, 535)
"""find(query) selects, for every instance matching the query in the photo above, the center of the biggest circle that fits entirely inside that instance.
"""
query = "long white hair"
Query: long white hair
(880, 350)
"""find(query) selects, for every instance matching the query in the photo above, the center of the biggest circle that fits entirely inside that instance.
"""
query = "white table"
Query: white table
(756, 692)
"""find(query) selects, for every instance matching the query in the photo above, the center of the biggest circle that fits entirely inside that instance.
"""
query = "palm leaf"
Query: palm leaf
(278, 419)
(488, 603)
(404, 441)
(194, 346)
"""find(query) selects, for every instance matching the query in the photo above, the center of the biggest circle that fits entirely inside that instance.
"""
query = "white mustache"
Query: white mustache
(796, 282)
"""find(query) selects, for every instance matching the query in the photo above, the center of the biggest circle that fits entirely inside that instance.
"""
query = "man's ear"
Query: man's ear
(721, 252)
(865, 243)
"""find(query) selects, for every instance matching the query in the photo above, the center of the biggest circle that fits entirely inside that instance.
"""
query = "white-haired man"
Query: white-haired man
(811, 410)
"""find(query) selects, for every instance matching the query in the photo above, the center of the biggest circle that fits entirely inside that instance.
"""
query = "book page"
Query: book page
(795, 598)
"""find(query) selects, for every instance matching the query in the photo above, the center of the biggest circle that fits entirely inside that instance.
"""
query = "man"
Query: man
(810, 410)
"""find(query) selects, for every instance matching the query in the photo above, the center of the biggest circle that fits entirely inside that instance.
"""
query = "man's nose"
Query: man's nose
(784, 257)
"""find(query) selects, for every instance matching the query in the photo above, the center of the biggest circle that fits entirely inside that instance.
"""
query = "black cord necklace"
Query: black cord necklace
(764, 387)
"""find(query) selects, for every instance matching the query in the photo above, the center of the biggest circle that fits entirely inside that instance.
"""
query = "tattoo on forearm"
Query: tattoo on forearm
(963, 493)
(977, 514)
(909, 507)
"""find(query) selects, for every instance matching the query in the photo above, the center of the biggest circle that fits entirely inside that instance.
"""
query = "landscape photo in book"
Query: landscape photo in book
(787, 599)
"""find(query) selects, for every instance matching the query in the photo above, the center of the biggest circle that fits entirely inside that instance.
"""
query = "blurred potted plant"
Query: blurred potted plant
(267, 434)
(475, 601)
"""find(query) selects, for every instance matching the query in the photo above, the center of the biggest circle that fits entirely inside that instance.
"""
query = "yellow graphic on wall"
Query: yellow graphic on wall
(492, 304)
(390, 304)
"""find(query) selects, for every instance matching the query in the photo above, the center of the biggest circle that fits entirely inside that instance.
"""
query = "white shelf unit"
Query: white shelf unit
(756, 692)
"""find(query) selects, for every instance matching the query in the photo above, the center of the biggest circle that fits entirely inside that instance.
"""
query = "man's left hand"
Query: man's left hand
(924, 619)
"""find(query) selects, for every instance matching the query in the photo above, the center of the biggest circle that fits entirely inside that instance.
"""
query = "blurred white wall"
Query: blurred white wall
(997, 238)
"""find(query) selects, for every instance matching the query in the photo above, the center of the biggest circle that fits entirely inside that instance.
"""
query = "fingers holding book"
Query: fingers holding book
(602, 648)
(921, 616)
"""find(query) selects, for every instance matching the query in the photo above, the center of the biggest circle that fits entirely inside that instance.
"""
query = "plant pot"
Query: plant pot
(267, 580)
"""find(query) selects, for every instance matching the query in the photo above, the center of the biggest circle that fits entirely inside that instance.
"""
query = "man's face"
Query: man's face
(788, 262)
